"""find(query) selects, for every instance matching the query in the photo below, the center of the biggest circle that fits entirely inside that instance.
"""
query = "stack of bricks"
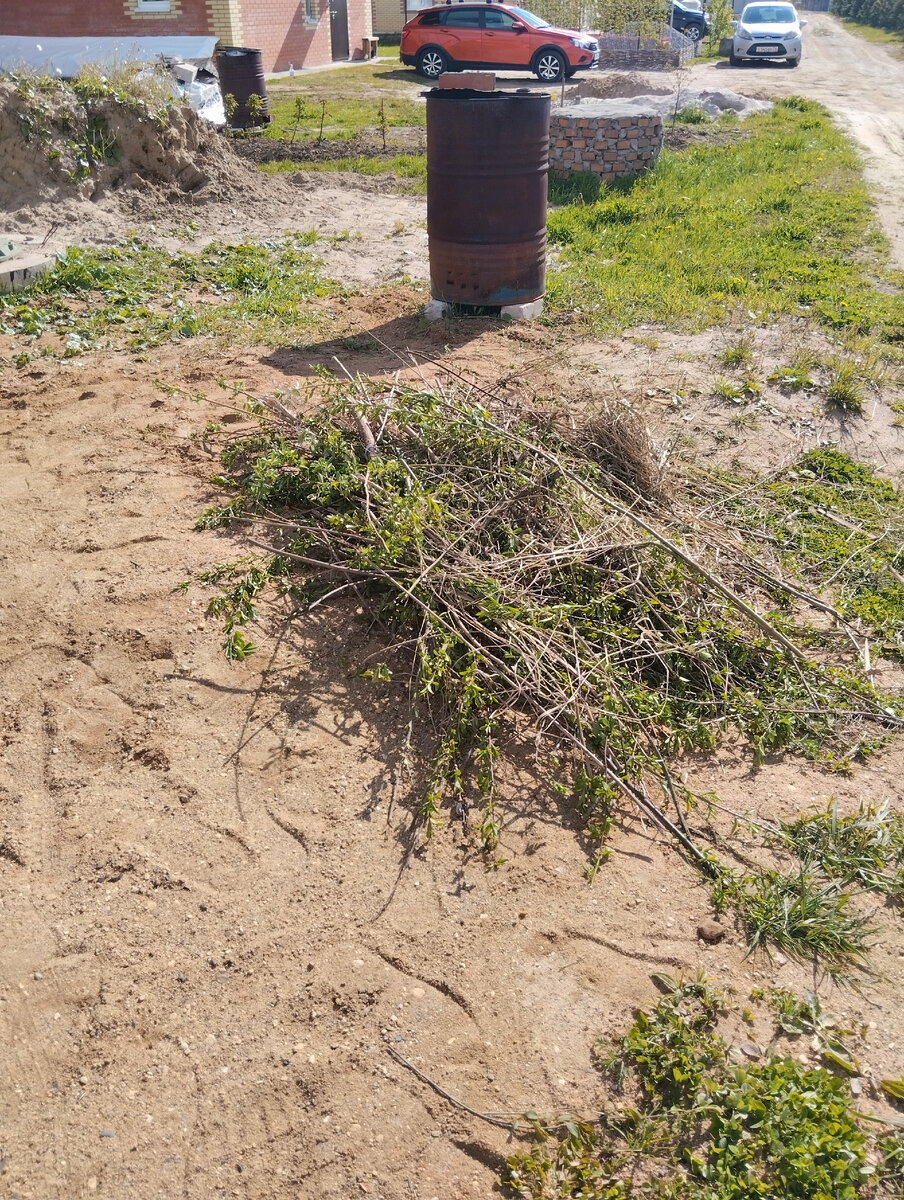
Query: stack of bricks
(582, 139)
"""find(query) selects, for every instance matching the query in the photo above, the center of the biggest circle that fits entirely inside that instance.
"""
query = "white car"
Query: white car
(770, 31)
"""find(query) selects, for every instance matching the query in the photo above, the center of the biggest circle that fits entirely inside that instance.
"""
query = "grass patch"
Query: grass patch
(403, 166)
(691, 114)
(133, 296)
(689, 1122)
(779, 222)
(840, 529)
(866, 848)
(345, 101)
(870, 33)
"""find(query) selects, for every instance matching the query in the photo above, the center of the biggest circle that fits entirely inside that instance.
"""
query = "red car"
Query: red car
(456, 36)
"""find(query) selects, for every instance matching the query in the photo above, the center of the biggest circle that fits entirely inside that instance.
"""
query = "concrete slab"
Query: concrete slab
(23, 259)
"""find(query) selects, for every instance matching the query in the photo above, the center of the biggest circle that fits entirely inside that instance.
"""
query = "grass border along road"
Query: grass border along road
(778, 222)
(881, 37)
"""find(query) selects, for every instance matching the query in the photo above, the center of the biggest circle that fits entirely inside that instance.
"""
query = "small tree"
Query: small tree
(256, 109)
(720, 17)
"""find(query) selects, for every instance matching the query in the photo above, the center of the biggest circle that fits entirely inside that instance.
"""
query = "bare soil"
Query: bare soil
(402, 139)
(185, 183)
(217, 917)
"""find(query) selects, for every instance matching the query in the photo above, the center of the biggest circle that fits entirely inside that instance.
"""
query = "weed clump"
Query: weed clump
(800, 914)
(840, 527)
(691, 1122)
(865, 848)
(136, 296)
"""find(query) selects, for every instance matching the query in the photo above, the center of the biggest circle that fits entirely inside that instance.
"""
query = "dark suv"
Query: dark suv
(693, 24)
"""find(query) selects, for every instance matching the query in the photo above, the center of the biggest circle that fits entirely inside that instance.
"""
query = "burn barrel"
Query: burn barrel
(241, 73)
(487, 167)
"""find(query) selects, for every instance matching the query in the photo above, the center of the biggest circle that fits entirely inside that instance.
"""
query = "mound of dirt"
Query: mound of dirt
(605, 84)
(88, 171)
(644, 94)
(58, 144)
(666, 103)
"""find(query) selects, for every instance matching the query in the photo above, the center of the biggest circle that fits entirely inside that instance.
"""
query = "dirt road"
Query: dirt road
(861, 84)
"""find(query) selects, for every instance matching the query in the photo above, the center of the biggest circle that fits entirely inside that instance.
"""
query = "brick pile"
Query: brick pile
(583, 138)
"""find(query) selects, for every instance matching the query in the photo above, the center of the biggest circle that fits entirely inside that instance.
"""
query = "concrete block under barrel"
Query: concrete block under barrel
(487, 172)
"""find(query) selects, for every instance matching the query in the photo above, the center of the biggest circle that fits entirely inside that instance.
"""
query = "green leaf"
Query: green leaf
(893, 1087)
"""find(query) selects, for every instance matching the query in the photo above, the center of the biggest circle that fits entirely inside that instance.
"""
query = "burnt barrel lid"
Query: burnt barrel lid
(474, 94)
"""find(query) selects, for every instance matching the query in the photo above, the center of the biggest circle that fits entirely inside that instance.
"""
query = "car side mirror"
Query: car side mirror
(733, 24)
(518, 27)
(803, 23)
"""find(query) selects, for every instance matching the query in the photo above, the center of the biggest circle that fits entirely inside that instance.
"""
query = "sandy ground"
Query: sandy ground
(215, 919)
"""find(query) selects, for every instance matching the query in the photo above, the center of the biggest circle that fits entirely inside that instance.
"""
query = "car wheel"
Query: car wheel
(549, 66)
(694, 32)
(793, 62)
(733, 60)
(431, 63)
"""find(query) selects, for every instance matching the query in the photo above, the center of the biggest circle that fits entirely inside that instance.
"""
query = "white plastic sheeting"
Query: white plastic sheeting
(64, 55)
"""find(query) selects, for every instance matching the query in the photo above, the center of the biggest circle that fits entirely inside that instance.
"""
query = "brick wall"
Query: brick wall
(388, 15)
(581, 139)
(281, 31)
(101, 18)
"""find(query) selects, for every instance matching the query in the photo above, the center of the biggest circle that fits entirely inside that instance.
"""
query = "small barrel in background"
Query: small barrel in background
(241, 73)
(487, 174)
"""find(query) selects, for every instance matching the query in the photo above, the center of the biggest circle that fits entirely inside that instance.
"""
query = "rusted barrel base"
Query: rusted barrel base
(438, 310)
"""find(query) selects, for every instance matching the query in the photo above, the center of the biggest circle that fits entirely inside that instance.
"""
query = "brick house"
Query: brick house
(303, 33)
(388, 16)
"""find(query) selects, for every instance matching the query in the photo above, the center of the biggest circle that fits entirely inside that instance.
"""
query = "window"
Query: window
(429, 18)
(530, 18)
(495, 18)
(462, 18)
(310, 12)
(152, 6)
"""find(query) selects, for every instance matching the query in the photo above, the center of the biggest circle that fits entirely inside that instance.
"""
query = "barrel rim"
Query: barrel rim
(472, 94)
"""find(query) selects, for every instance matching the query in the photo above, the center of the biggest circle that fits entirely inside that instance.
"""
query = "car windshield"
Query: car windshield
(768, 14)
(530, 18)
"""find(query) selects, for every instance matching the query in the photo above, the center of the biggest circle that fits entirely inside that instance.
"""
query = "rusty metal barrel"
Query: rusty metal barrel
(241, 73)
(487, 168)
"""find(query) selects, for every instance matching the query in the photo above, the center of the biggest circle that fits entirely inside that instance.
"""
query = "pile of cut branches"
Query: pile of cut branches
(530, 562)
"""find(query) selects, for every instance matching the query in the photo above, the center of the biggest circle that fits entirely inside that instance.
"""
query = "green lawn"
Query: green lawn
(352, 97)
(779, 222)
